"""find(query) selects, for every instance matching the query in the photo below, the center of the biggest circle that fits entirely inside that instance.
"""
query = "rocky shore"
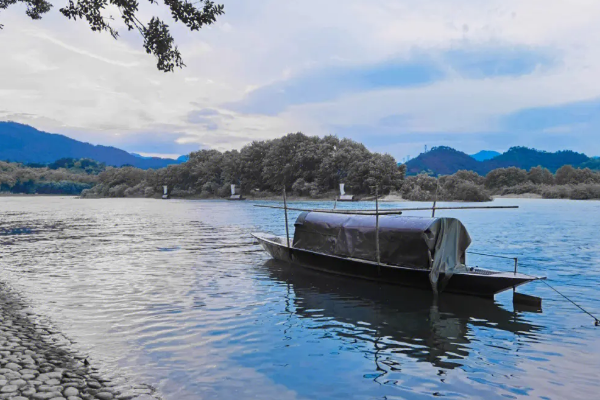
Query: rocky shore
(37, 363)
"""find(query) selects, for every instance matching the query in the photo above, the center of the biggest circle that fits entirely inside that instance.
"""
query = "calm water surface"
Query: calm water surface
(176, 294)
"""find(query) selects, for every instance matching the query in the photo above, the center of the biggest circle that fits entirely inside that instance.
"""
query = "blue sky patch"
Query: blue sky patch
(563, 118)
(490, 62)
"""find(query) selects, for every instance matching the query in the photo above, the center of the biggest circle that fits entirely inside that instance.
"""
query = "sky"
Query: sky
(395, 75)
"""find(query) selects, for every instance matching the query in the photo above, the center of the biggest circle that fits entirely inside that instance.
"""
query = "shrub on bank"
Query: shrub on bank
(505, 177)
(418, 194)
(583, 191)
(469, 191)
(462, 186)
(523, 188)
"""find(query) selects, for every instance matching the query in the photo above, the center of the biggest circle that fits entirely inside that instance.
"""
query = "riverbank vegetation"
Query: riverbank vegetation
(308, 167)
(64, 176)
(567, 183)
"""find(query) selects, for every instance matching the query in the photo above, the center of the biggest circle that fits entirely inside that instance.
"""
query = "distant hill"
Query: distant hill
(25, 144)
(180, 159)
(140, 156)
(446, 160)
(485, 155)
(593, 163)
(443, 160)
(527, 158)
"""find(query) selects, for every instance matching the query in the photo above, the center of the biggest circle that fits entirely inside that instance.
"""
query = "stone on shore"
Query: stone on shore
(9, 388)
(70, 391)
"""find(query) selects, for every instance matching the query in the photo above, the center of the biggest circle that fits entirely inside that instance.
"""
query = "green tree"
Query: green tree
(540, 175)
(402, 171)
(157, 37)
(505, 177)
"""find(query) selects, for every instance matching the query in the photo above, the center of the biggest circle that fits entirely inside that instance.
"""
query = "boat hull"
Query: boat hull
(477, 283)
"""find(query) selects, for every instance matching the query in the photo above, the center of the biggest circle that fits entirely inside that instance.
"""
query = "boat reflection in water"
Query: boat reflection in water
(395, 319)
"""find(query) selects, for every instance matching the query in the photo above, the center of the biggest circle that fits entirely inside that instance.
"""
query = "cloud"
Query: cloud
(394, 73)
(199, 114)
(414, 70)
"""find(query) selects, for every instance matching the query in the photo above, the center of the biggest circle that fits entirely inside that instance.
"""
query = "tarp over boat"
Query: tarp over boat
(436, 244)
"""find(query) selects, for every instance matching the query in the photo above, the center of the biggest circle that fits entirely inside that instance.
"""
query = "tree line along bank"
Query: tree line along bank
(306, 166)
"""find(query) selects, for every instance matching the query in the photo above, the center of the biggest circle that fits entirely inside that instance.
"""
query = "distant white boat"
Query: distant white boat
(343, 195)
(236, 193)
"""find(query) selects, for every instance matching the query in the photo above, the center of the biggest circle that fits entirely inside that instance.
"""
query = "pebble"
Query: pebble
(71, 391)
(44, 395)
(28, 392)
(9, 388)
(104, 396)
(13, 366)
(94, 384)
(28, 371)
(18, 382)
(12, 375)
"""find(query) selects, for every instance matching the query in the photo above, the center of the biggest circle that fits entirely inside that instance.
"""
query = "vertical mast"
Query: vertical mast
(377, 227)
(287, 232)
(435, 199)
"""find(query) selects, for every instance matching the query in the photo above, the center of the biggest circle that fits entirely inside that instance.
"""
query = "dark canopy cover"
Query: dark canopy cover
(438, 244)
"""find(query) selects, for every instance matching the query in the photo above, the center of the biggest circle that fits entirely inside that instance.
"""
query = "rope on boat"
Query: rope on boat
(596, 320)
(492, 255)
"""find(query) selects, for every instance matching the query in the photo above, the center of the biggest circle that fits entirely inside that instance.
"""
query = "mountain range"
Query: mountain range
(444, 160)
(25, 144)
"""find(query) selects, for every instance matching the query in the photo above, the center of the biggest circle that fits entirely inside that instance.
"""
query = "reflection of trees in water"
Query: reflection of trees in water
(383, 321)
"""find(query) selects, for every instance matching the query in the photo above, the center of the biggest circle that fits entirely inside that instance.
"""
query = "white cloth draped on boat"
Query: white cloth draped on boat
(449, 253)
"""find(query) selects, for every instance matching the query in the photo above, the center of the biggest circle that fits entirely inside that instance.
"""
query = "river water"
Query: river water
(176, 294)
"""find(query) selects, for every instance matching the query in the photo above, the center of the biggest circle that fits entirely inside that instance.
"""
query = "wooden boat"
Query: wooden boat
(425, 253)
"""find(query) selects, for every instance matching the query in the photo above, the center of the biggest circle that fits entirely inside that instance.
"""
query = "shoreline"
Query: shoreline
(37, 362)
(5, 194)
(522, 196)
(391, 198)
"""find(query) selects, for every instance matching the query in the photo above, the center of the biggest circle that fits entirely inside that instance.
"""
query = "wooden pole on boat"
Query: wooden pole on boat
(377, 229)
(287, 232)
(435, 199)
(516, 264)
(391, 211)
